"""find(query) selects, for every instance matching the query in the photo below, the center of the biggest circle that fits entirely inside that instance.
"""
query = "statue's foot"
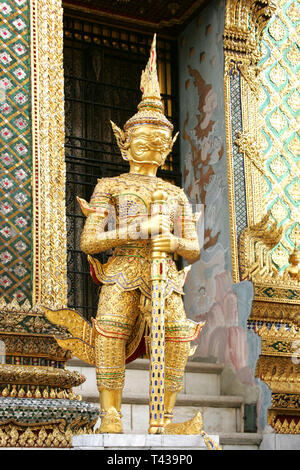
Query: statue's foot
(193, 426)
(111, 423)
(156, 430)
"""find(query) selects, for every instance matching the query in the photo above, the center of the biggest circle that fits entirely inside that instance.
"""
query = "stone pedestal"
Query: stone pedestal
(141, 442)
(38, 407)
(32, 422)
(280, 442)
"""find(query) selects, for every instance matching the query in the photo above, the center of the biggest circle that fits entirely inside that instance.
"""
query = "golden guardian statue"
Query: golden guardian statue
(145, 221)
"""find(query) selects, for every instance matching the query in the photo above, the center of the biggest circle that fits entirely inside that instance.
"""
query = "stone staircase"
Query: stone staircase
(222, 414)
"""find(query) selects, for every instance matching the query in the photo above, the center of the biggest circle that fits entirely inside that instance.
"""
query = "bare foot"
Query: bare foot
(111, 423)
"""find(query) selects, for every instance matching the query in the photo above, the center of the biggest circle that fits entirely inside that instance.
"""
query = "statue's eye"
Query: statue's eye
(142, 147)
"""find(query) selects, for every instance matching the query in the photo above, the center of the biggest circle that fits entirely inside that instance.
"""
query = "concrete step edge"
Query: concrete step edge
(240, 438)
(218, 401)
(143, 364)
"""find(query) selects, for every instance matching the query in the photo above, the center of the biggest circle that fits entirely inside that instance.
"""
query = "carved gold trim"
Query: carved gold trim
(281, 374)
(49, 213)
(47, 435)
(284, 415)
(280, 292)
(275, 309)
(244, 23)
(39, 375)
(37, 391)
(284, 426)
(232, 216)
(275, 312)
(255, 244)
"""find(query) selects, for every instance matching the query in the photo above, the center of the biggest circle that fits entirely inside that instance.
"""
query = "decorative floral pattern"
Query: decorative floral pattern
(15, 155)
(279, 106)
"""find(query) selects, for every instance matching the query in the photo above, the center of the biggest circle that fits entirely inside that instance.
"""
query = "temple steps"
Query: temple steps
(191, 400)
(222, 414)
(182, 400)
(240, 441)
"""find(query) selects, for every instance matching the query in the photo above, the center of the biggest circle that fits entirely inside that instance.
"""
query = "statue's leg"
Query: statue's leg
(176, 355)
(116, 316)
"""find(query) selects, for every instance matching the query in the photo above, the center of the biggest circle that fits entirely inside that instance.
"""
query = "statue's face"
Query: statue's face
(150, 144)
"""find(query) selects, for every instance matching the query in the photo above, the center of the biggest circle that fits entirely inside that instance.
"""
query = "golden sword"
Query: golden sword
(157, 333)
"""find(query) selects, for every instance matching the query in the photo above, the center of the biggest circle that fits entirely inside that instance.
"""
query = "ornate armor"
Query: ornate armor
(124, 309)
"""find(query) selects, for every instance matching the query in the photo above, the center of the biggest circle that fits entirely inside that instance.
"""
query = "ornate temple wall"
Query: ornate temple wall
(279, 127)
(15, 151)
(32, 166)
(239, 145)
(260, 45)
(211, 294)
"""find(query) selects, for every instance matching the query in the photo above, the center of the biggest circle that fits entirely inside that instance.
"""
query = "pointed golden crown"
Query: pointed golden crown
(151, 108)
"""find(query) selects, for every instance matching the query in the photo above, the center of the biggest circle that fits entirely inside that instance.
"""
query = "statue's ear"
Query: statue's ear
(174, 139)
(120, 138)
(170, 147)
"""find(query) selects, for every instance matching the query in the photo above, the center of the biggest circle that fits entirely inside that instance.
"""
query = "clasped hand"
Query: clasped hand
(157, 228)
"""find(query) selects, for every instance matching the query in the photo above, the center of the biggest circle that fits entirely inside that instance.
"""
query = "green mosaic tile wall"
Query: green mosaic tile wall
(15, 151)
(280, 108)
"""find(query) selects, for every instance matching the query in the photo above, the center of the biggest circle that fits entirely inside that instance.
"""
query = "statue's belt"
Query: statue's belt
(133, 277)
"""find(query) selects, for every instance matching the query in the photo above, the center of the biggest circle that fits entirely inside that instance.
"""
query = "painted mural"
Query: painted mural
(210, 294)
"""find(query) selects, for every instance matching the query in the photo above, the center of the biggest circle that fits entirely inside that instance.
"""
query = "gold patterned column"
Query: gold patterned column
(244, 22)
(49, 213)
